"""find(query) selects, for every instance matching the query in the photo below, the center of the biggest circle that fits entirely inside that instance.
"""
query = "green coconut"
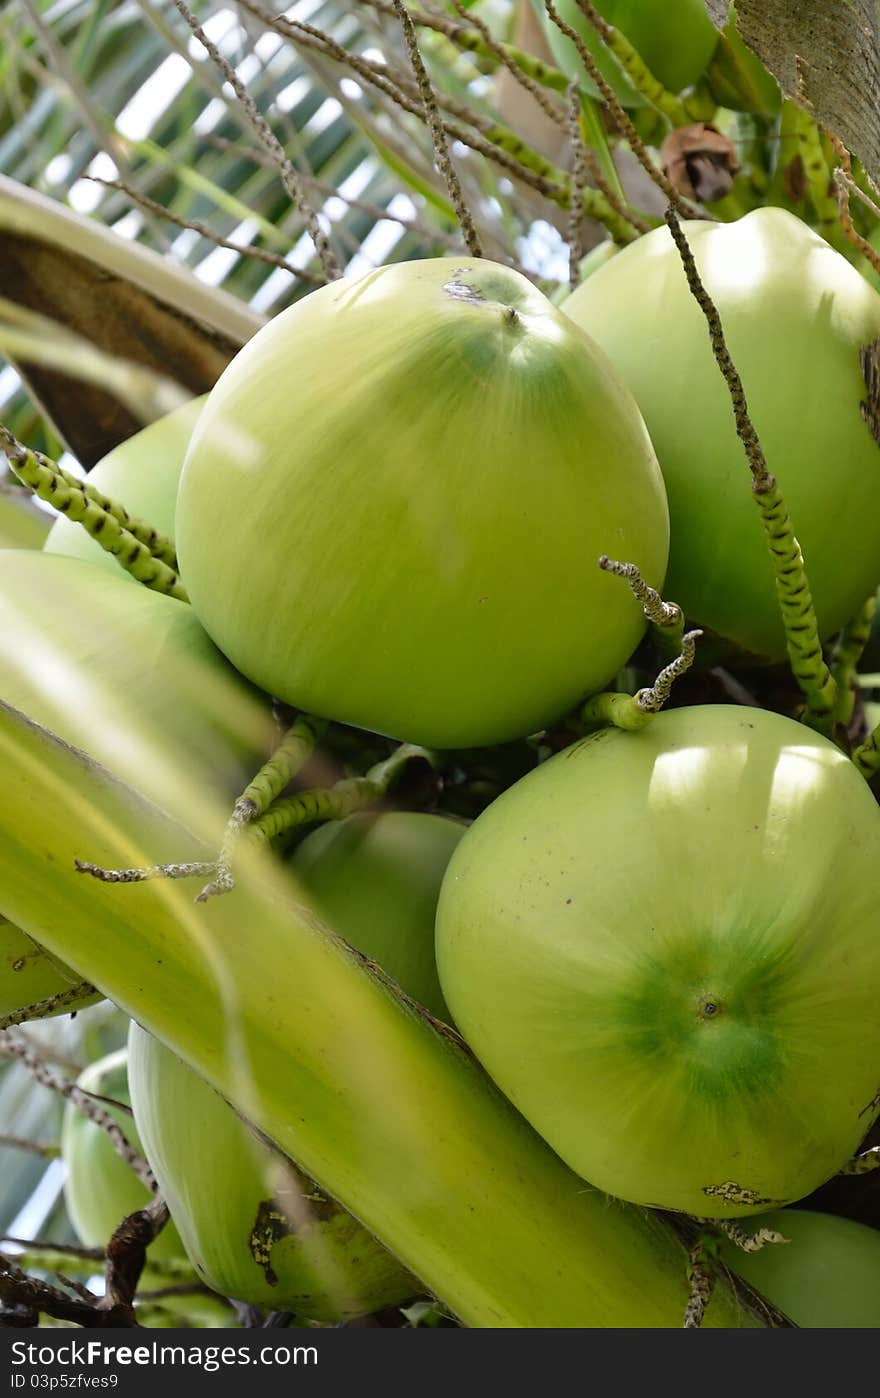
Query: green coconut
(826, 1276)
(125, 674)
(675, 38)
(254, 1227)
(100, 1188)
(142, 474)
(376, 880)
(30, 974)
(797, 318)
(394, 501)
(664, 946)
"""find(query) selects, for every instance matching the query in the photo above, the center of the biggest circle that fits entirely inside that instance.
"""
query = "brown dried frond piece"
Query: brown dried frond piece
(699, 161)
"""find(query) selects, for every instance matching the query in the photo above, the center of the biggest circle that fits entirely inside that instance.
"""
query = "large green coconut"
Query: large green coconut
(664, 946)
(394, 501)
(797, 318)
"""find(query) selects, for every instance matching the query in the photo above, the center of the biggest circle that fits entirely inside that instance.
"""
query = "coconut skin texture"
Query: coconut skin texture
(664, 948)
(254, 1227)
(376, 879)
(796, 316)
(827, 1276)
(394, 501)
(125, 674)
(142, 474)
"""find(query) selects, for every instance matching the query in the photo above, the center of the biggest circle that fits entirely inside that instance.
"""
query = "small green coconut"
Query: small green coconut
(826, 1276)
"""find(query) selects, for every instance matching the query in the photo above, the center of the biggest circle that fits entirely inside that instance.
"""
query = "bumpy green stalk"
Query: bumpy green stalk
(276, 820)
(796, 606)
(792, 586)
(847, 654)
(636, 69)
(391, 1116)
(818, 177)
(139, 548)
(867, 755)
(291, 755)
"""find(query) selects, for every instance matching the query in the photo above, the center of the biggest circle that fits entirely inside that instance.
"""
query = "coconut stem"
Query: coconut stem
(864, 1163)
(792, 585)
(141, 550)
(818, 176)
(291, 755)
(270, 142)
(636, 69)
(619, 115)
(438, 135)
(51, 1005)
(701, 1283)
(493, 141)
(473, 40)
(633, 712)
(340, 800)
(666, 618)
(844, 186)
(13, 1047)
(277, 819)
(746, 1242)
(578, 184)
(847, 654)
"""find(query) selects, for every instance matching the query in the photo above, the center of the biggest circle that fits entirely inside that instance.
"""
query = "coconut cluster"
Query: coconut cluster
(389, 513)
